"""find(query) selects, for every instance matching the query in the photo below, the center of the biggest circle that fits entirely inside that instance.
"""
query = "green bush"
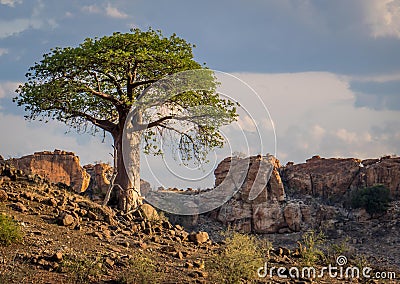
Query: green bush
(239, 259)
(310, 247)
(10, 231)
(374, 199)
(83, 270)
(142, 270)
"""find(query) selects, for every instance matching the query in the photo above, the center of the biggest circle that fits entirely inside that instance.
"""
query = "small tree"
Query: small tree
(98, 84)
(374, 199)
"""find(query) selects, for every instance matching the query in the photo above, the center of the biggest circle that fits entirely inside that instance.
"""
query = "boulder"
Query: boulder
(259, 184)
(100, 175)
(58, 167)
(258, 198)
(293, 216)
(3, 195)
(268, 218)
(149, 212)
(66, 219)
(199, 238)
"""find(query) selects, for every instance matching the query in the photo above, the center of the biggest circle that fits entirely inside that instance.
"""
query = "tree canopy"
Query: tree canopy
(95, 86)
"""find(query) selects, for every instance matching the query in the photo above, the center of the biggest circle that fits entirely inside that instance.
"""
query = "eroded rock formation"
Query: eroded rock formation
(266, 212)
(57, 166)
(100, 175)
(332, 178)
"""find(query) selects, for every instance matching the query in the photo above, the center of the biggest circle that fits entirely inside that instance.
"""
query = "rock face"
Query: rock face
(321, 177)
(385, 170)
(57, 166)
(262, 212)
(100, 175)
(329, 179)
(256, 180)
(332, 178)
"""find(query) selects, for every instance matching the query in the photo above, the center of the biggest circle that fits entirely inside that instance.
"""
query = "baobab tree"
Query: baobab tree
(107, 83)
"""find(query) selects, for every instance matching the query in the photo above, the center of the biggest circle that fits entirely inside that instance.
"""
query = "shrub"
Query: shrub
(142, 269)
(83, 270)
(10, 231)
(310, 247)
(374, 199)
(239, 259)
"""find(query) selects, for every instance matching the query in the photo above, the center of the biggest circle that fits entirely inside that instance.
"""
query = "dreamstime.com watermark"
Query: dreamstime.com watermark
(337, 271)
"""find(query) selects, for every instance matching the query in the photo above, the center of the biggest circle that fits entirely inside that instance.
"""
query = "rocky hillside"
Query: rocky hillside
(67, 238)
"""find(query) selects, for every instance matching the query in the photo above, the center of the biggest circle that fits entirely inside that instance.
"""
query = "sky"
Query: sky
(327, 72)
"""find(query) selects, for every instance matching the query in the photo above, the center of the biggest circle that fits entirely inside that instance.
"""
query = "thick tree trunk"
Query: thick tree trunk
(128, 168)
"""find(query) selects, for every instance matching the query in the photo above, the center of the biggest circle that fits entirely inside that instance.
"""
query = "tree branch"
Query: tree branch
(113, 80)
(159, 122)
(102, 123)
(140, 83)
(104, 96)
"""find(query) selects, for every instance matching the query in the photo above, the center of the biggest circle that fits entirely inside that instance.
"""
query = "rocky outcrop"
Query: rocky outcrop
(57, 166)
(385, 170)
(332, 178)
(260, 184)
(321, 177)
(100, 175)
(259, 206)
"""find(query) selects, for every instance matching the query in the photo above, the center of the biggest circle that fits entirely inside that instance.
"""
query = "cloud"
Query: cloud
(315, 113)
(108, 10)
(10, 3)
(91, 9)
(383, 18)
(37, 19)
(7, 89)
(16, 26)
(3, 51)
(377, 94)
(20, 137)
(114, 12)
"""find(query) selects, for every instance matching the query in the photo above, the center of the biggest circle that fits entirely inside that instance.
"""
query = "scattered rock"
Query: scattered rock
(66, 219)
(92, 216)
(3, 195)
(20, 207)
(199, 264)
(109, 262)
(149, 212)
(58, 256)
(199, 238)
(188, 264)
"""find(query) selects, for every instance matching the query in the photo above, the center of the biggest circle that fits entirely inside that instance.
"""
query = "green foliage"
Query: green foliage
(342, 248)
(374, 200)
(310, 247)
(142, 270)
(10, 231)
(83, 270)
(239, 259)
(94, 85)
